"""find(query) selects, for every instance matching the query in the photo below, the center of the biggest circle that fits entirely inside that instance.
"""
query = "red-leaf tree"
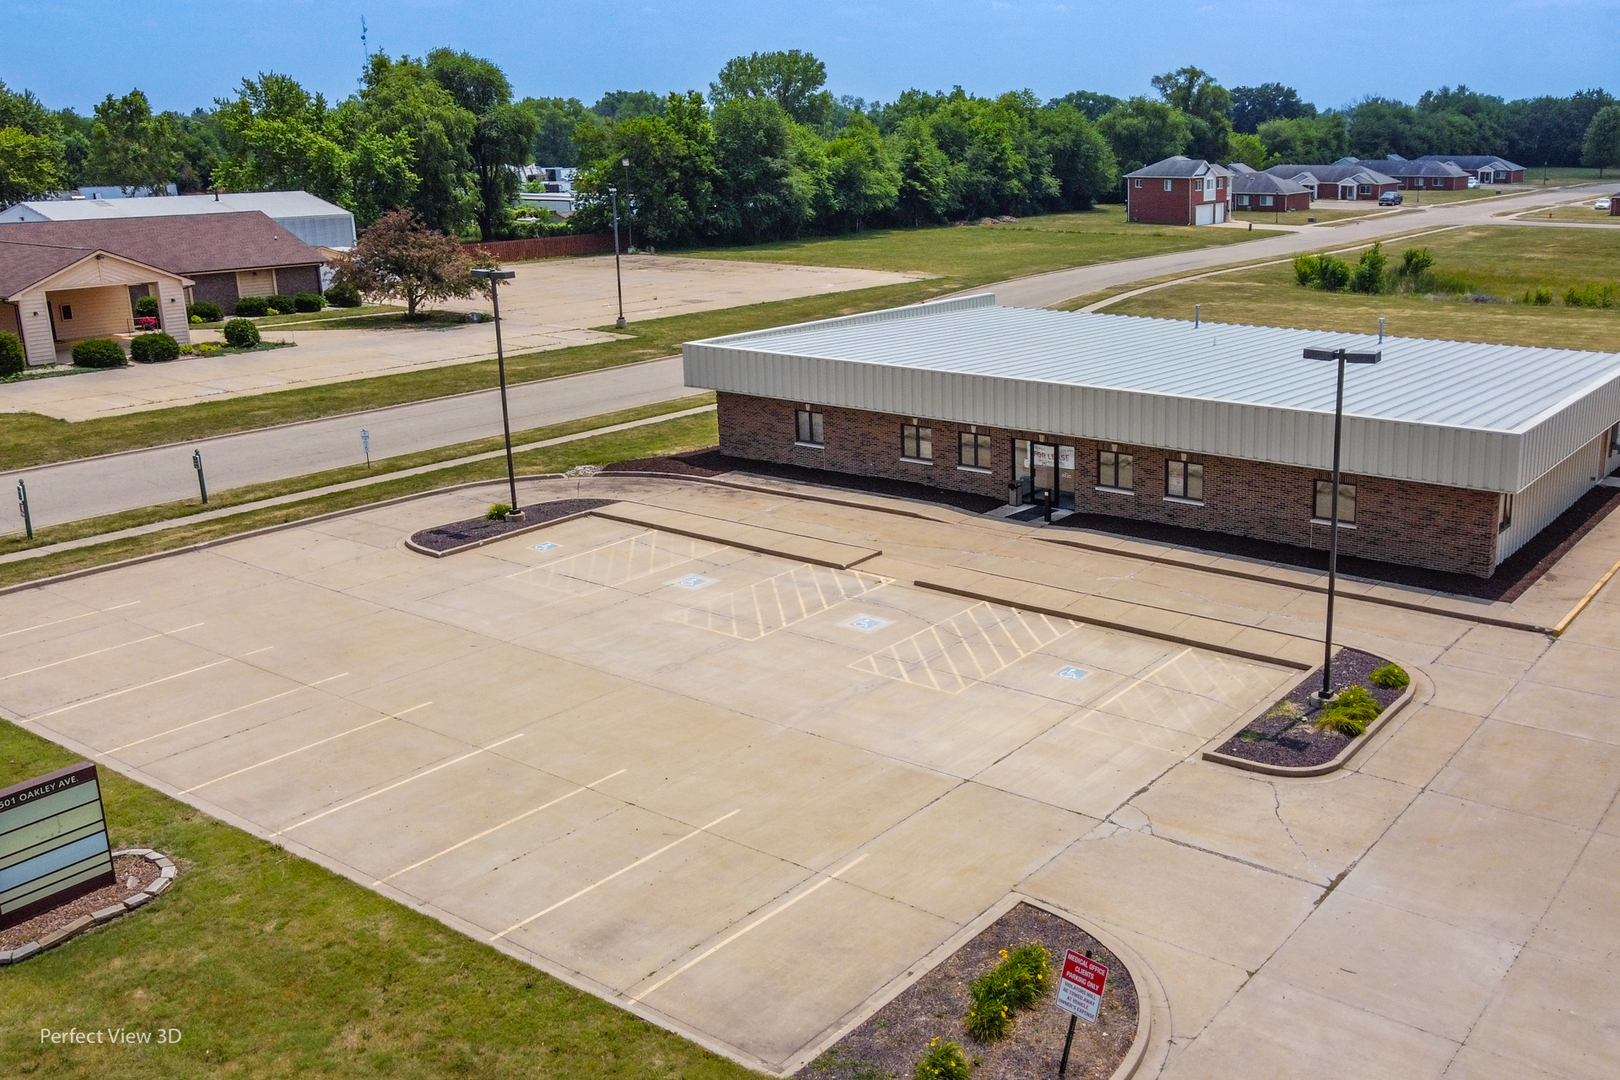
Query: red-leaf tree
(399, 258)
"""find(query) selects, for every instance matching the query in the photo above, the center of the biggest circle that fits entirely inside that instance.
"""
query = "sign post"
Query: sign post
(1079, 993)
(22, 504)
(53, 842)
(365, 445)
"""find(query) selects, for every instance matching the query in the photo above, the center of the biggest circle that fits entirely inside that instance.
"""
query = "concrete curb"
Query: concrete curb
(412, 545)
(1338, 761)
(167, 872)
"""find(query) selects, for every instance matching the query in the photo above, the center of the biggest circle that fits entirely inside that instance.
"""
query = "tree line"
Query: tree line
(766, 153)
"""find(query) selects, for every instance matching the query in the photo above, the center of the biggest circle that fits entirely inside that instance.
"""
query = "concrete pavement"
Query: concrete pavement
(92, 487)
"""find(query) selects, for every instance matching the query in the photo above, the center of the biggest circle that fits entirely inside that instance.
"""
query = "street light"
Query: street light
(617, 276)
(495, 277)
(629, 226)
(1343, 357)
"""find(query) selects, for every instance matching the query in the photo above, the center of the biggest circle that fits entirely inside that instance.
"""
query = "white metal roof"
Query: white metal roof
(310, 218)
(1491, 417)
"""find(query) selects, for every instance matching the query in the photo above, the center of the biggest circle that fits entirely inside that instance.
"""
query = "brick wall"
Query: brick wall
(1152, 204)
(292, 280)
(216, 289)
(1451, 529)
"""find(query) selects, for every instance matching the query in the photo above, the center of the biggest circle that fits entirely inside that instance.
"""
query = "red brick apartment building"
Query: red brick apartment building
(1178, 191)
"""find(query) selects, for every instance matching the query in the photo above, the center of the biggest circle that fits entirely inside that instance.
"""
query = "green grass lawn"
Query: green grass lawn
(653, 440)
(1501, 260)
(979, 254)
(380, 319)
(272, 967)
(1436, 198)
(1581, 211)
(312, 319)
(1300, 217)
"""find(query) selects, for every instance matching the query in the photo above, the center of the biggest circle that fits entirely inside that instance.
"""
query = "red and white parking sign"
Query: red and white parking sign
(1080, 988)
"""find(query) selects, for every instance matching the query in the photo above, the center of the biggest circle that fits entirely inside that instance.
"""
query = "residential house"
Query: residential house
(1337, 181)
(1178, 191)
(1258, 191)
(1420, 175)
(1488, 168)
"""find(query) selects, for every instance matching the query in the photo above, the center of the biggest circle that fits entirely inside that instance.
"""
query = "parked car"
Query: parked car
(1473, 181)
(1391, 198)
(1602, 204)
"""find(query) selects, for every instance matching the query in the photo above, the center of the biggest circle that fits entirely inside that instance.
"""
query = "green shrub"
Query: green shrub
(1539, 297)
(241, 333)
(1390, 677)
(1592, 296)
(989, 1017)
(153, 348)
(1017, 982)
(943, 1061)
(281, 305)
(99, 353)
(1415, 262)
(12, 357)
(309, 301)
(1350, 712)
(1029, 973)
(1332, 273)
(341, 295)
(253, 306)
(1368, 276)
(146, 307)
(497, 512)
(1307, 268)
(205, 310)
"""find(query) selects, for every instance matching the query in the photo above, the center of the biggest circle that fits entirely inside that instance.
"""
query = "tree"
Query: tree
(619, 105)
(31, 149)
(793, 79)
(1141, 132)
(503, 134)
(555, 121)
(1250, 150)
(1205, 103)
(864, 180)
(673, 175)
(401, 97)
(1254, 105)
(1601, 148)
(132, 148)
(925, 189)
(1305, 140)
(1093, 106)
(399, 257)
(753, 146)
(1082, 162)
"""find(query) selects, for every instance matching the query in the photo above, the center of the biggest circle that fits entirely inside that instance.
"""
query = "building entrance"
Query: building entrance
(1039, 467)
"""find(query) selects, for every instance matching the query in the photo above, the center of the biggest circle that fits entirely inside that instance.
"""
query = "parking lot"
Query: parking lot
(746, 794)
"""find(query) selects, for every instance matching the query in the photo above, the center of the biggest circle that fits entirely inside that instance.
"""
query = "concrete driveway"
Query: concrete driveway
(673, 771)
(551, 304)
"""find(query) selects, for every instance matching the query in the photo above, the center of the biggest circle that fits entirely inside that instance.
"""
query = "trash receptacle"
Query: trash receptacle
(1013, 490)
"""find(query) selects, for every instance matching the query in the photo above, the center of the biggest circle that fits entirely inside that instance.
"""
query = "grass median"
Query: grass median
(272, 967)
(669, 437)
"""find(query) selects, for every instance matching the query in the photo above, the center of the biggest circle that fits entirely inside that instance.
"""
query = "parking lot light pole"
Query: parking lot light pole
(1343, 357)
(629, 226)
(618, 278)
(495, 277)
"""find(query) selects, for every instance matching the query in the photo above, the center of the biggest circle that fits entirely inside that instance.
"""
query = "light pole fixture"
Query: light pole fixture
(629, 225)
(1343, 357)
(618, 277)
(494, 277)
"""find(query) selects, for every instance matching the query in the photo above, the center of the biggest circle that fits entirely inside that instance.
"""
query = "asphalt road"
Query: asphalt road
(106, 485)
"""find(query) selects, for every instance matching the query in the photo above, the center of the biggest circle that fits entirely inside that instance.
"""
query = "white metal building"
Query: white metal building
(313, 220)
(1537, 427)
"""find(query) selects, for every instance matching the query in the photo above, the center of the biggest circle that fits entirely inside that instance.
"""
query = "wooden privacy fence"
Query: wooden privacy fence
(547, 247)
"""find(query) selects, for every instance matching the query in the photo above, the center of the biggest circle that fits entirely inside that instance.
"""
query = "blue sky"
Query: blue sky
(184, 53)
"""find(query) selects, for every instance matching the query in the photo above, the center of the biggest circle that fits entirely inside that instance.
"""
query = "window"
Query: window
(916, 442)
(1184, 480)
(1167, 185)
(1243, 200)
(1324, 502)
(1116, 470)
(67, 312)
(1504, 514)
(1265, 200)
(1139, 183)
(809, 425)
(1614, 439)
(974, 450)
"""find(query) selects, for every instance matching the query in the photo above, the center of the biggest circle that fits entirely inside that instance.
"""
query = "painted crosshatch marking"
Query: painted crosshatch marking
(780, 600)
(1072, 673)
(966, 648)
(53, 842)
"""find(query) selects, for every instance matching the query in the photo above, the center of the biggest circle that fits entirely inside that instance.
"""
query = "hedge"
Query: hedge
(341, 295)
(153, 348)
(241, 333)
(309, 301)
(12, 358)
(206, 310)
(281, 305)
(99, 353)
(253, 305)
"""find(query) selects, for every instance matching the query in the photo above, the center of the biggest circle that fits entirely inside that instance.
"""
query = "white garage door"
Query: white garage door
(1206, 214)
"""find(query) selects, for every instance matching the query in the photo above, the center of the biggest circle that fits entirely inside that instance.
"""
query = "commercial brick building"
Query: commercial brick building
(1455, 454)
(1178, 191)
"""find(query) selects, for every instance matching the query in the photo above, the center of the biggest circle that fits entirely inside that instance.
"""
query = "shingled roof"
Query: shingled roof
(1259, 183)
(1178, 166)
(212, 243)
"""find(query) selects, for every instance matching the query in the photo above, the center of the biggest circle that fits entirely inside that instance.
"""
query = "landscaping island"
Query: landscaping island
(1299, 732)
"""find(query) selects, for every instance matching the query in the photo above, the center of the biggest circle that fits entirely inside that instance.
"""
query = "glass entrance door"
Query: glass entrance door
(1044, 467)
(1043, 461)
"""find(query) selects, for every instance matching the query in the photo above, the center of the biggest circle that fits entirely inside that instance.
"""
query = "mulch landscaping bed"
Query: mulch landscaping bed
(712, 462)
(473, 530)
(891, 1041)
(1291, 738)
(143, 870)
(1522, 570)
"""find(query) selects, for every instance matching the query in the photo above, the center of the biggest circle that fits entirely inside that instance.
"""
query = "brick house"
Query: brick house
(66, 281)
(1262, 192)
(1487, 168)
(1422, 174)
(1178, 191)
(1337, 181)
(1455, 454)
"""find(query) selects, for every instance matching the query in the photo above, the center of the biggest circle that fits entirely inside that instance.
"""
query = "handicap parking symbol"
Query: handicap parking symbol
(547, 546)
(693, 581)
(867, 623)
(1071, 673)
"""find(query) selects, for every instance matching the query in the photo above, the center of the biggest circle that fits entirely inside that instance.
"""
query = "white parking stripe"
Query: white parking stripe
(502, 825)
(763, 918)
(96, 652)
(610, 877)
(142, 686)
(70, 618)
(227, 712)
(1130, 684)
(308, 746)
(398, 783)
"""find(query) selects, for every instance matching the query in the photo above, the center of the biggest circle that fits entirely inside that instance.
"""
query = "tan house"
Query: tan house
(63, 282)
